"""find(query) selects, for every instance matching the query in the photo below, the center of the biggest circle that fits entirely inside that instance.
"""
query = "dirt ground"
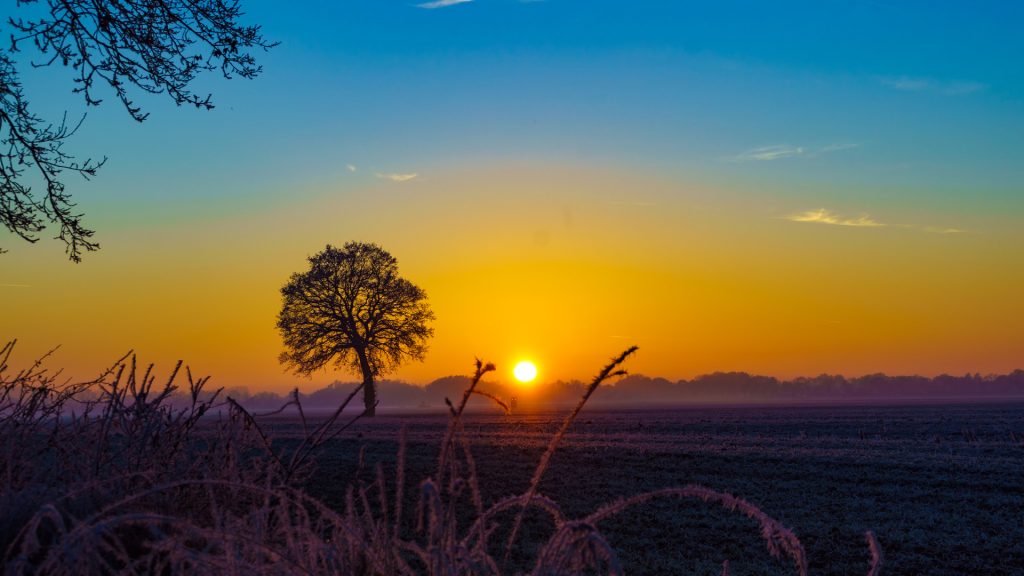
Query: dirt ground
(940, 485)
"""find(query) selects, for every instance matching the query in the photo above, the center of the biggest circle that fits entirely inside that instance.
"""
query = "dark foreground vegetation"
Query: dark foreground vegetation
(938, 484)
(123, 481)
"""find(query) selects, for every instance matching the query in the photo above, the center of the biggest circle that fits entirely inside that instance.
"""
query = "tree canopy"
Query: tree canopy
(150, 46)
(353, 310)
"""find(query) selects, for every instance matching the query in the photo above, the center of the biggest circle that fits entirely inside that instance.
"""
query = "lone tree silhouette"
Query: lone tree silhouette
(149, 46)
(352, 309)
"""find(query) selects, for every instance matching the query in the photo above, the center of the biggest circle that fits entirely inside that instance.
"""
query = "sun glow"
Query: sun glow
(525, 371)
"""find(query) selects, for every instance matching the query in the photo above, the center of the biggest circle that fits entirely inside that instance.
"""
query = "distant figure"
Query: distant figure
(512, 404)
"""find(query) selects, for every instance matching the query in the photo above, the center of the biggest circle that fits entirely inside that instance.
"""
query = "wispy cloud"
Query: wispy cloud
(783, 151)
(397, 177)
(15, 285)
(907, 84)
(950, 88)
(840, 146)
(351, 167)
(441, 4)
(823, 216)
(777, 152)
(958, 88)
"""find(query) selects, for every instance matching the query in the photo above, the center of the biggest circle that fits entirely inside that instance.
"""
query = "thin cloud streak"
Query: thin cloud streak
(771, 153)
(958, 88)
(15, 285)
(351, 167)
(839, 146)
(783, 151)
(441, 4)
(907, 84)
(397, 177)
(823, 216)
(949, 88)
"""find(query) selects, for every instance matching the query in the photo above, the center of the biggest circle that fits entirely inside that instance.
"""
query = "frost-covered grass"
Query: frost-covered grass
(939, 503)
(125, 474)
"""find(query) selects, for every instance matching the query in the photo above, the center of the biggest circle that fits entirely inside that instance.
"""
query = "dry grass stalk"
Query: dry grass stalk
(875, 549)
(117, 476)
(778, 538)
(611, 370)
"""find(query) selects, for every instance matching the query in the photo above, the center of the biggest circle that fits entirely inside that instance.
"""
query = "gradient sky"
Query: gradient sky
(790, 188)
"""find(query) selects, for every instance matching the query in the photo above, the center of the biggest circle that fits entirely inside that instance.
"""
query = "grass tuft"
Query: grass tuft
(121, 475)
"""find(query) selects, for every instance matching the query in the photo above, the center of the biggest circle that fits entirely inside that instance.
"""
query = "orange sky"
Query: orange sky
(565, 265)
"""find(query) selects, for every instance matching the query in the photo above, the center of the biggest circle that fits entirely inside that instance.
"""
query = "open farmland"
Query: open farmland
(940, 485)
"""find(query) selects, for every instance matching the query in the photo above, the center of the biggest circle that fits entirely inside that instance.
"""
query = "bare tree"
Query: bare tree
(352, 309)
(152, 46)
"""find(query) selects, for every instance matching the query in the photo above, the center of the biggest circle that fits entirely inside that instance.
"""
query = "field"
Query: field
(940, 485)
(138, 479)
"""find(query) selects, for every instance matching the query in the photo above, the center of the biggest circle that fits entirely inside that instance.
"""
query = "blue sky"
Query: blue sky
(891, 102)
(693, 152)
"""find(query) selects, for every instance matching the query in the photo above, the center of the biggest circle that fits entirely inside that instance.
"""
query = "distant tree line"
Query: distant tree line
(732, 387)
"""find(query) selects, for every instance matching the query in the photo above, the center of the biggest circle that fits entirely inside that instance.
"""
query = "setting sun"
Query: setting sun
(525, 371)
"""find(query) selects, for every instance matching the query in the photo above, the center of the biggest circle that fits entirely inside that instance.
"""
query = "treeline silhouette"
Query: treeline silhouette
(729, 387)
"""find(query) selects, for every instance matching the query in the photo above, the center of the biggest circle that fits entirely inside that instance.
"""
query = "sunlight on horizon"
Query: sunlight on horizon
(525, 372)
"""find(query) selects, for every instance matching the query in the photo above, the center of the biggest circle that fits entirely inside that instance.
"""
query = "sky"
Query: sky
(785, 188)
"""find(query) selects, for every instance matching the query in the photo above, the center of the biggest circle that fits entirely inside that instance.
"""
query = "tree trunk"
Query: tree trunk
(369, 388)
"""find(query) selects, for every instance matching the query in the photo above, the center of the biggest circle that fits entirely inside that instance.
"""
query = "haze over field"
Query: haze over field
(642, 391)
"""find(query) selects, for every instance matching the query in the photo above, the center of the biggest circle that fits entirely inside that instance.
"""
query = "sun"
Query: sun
(525, 371)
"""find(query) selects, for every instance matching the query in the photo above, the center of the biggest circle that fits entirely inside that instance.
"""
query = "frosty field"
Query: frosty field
(940, 485)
